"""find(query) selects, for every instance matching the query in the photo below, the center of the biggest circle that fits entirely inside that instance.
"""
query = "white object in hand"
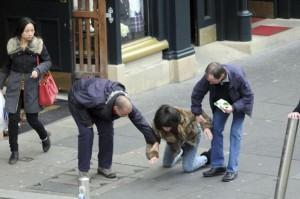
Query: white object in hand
(222, 104)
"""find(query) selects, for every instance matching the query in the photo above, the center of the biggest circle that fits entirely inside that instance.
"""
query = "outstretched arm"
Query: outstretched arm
(142, 125)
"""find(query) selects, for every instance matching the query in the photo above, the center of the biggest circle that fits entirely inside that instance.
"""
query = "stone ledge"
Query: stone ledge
(152, 71)
(260, 43)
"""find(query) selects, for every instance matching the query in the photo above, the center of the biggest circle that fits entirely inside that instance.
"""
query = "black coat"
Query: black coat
(20, 65)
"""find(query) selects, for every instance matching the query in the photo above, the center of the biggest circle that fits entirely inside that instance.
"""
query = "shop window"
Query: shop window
(81, 5)
(133, 22)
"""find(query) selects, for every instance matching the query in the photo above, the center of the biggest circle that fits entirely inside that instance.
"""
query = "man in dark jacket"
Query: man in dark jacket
(296, 113)
(101, 101)
(228, 83)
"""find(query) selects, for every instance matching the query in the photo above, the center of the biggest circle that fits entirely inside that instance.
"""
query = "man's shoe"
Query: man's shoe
(14, 157)
(214, 172)
(46, 144)
(229, 176)
(108, 173)
(83, 174)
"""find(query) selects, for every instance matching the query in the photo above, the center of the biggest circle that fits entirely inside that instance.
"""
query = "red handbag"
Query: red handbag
(47, 89)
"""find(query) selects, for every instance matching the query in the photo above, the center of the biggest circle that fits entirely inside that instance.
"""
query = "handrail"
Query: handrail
(143, 48)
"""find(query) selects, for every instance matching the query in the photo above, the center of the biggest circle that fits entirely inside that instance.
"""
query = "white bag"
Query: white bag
(3, 115)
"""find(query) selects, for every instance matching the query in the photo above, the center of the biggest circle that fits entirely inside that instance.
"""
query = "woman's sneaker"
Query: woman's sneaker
(207, 155)
(178, 157)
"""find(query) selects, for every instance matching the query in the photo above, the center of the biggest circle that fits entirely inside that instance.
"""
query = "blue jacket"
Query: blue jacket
(95, 97)
(239, 92)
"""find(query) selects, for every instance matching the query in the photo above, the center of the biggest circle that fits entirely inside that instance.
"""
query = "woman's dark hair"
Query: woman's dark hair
(166, 116)
(22, 24)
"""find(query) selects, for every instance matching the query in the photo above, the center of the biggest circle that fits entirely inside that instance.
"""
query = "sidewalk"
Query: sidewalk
(54, 174)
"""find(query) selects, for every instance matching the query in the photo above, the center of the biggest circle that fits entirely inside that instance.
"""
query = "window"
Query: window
(132, 19)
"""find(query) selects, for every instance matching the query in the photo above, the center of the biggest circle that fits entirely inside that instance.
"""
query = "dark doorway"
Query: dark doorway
(202, 15)
(295, 9)
(53, 24)
(288, 9)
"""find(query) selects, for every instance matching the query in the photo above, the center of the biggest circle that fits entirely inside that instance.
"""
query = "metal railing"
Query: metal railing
(286, 158)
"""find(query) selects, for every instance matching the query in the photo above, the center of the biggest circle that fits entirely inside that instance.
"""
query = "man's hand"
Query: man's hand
(154, 149)
(228, 109)
(153, 160)
(294, 115)
(34, 74)
(200, 119)
(208, 134)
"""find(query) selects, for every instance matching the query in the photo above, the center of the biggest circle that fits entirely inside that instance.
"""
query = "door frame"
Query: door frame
(202, 15)
(90, 39)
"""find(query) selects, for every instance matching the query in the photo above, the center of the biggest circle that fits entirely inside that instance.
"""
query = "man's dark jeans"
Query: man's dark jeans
(86, 137)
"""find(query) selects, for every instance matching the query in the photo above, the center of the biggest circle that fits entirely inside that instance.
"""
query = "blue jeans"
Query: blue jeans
(217, 154)
(191, 161)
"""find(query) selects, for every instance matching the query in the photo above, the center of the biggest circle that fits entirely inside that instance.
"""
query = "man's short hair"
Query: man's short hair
(215, 69)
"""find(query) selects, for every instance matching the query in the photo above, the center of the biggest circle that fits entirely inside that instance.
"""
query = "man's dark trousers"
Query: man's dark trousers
(86, 137)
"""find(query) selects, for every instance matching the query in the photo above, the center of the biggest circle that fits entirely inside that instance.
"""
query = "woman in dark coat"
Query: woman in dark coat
(28, 60)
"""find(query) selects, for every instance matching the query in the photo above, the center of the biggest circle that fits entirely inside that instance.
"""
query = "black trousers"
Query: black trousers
(86, 136)
(13, 127)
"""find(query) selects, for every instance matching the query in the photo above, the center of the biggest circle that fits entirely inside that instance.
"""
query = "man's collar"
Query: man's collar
(226, 79)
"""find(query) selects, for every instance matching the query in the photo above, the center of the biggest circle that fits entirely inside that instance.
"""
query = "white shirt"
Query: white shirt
(134, 7)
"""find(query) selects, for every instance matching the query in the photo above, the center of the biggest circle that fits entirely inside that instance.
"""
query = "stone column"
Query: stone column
(244, 16)
(181, 54)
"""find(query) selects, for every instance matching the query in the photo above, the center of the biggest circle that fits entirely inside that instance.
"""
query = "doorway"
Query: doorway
(203, 21)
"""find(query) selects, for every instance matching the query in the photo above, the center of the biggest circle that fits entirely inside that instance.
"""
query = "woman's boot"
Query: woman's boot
(14, 157)
(46, 144)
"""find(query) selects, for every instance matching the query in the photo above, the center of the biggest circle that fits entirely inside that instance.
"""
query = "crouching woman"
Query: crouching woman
(179, 128)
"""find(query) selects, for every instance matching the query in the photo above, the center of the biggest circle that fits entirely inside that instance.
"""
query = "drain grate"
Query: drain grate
(67, 182)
